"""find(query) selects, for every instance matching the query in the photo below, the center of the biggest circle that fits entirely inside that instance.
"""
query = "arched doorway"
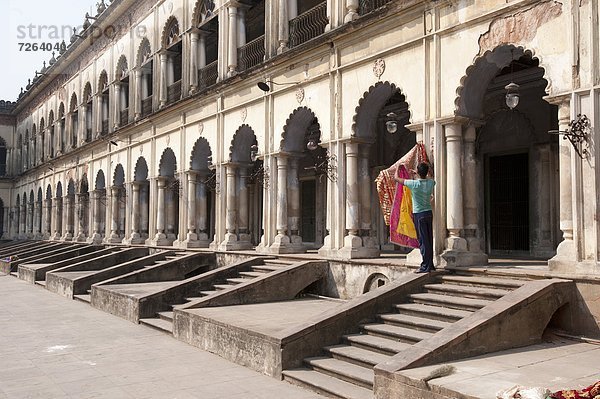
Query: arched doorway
(201, 200)
(307, 180)
(39, 228)
(2, 227)
(378, 148)
(167, 212)
(31, 215)
(49, 210)
(238, 176)
(141, 202)
(117, 206)
(514, 211)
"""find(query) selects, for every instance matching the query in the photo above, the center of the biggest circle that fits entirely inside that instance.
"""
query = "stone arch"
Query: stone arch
(171, 32)
(366, 113)
(100, 180)
(144, 52)
(122, 68)
(294, 132)
(71, 187)
(61, 110)
(83, 184)
(39, 195)
(119, 176)
(59, 190)
(31, 197)
(51, 117)
(168, 163)
(201, 153)
(473, 85)
(243, 139)
(73, 103)
(140, 173)
(102, 80)
(203, 10)
(87, 92)
(42, 124)
(49, 192)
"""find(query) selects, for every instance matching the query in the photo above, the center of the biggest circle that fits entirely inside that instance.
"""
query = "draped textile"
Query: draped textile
(591, 392)
(395, 199)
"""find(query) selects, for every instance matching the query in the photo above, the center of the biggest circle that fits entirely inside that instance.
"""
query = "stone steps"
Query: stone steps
(87, 298)
(266, 268)
(403, 334)
(376, 344)
(486, 282)
(448, 301)
(358, 356)
(349, 372)
(167, 316)
(158, 324)
(418, 323)
(252, 274)
(238, 280)
(326, 385)
(221, 287)
(432, 312)
(465, 291)
(41, 283)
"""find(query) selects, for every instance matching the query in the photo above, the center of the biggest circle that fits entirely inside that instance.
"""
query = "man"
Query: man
(421, 192)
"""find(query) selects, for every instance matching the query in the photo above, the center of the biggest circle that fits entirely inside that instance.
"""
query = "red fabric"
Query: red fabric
(395, 237)
(591, 392)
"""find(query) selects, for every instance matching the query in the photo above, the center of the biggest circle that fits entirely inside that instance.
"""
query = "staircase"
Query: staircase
(346, 370)
(164, 320)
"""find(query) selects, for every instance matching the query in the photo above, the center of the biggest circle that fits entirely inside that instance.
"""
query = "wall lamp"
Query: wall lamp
(578, 133)
(253, 153)
(392, 124)
(266, 88)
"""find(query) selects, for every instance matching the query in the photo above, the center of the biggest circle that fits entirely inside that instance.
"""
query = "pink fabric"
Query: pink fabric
(395, 237)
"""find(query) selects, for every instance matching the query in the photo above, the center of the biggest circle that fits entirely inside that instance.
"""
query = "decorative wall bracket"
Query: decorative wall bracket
(578, 134)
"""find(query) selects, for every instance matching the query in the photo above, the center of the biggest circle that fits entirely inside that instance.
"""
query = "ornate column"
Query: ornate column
(194, 60)
(456, 245)
(68, 218)
(282, 242)
(230, 241)
(114, 210)
(470, 190)
(352, 242)
(48, 219)
(351, 10)
(566, 252)
(58, 218)
(365, 183)
(82, 124)
(138, 94)
(163, 78)
(117, 108)
(202, 212)
(293, 188)
(81, 211)
(191, 239)
(241, 28)
(244, 208)
(96, 237)
(232, 45)
(135, 214)
(30, 219)
(283, 31)
(160, 238)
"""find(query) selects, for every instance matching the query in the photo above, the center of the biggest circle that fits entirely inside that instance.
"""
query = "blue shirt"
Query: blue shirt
(421, 194)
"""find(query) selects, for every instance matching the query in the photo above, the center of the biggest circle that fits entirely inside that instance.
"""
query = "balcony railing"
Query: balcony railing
(146, 106)
(308, 25)
(104, 127)
(124, 117)
(251, 54)
(366, 6)
(207, 76)
(174, 92)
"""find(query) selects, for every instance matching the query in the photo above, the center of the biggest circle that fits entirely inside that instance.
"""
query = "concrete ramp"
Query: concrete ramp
(124, 294)
(76, 278)
(36, 271)
(29, 251)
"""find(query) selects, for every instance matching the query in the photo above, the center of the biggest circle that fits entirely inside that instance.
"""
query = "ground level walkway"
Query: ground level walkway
(55, 348)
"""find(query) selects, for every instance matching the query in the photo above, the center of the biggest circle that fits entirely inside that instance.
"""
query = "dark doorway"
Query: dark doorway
(308, 225)
(508, 210)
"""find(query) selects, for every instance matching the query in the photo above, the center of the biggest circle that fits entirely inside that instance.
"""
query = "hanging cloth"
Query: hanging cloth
(396, 200)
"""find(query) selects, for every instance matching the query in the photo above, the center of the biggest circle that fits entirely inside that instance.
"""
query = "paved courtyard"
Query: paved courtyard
(51, 347)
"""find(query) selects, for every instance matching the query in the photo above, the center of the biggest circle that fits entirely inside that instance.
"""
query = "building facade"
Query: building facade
(150, 127)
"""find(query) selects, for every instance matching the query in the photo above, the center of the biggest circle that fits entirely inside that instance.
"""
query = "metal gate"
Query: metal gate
(508, 203)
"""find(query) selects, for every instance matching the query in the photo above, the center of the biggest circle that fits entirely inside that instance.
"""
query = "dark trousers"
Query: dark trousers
(424, 227)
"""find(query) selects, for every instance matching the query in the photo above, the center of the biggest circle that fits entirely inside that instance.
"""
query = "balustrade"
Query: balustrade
(124, 116)
(146, 106)
(207, 76)
(366, 6)
(308, 25)
(174, 92)
(251, 54)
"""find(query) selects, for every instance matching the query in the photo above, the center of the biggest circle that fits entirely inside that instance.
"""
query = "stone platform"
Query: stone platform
(556, 365)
